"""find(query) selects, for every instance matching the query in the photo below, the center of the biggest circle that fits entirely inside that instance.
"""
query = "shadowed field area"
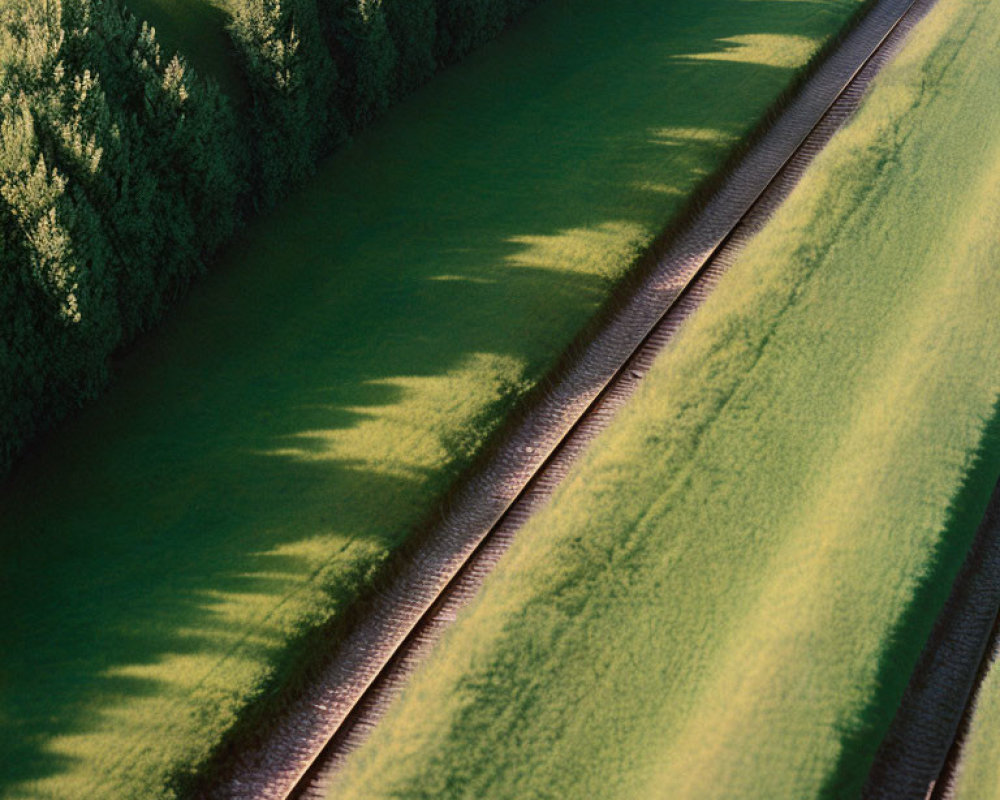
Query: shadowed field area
(727, 597)
(301, 412)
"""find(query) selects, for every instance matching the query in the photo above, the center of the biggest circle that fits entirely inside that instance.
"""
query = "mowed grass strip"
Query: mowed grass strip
(302, 411)
(727, 596)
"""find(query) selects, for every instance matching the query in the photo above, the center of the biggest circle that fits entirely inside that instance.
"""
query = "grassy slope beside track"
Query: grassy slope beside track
(977, 774)
(301, 412)
(728, 595)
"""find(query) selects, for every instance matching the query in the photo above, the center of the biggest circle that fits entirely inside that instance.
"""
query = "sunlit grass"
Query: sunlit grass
(302, 412)
(774, 51)
(727, 596)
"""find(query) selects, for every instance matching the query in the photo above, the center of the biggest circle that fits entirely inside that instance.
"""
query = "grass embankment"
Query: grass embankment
(977, 774)
(298, 415)
(727, 596)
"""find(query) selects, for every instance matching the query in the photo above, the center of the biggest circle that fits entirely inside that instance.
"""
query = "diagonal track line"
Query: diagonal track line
(920, 753)
(329, 719)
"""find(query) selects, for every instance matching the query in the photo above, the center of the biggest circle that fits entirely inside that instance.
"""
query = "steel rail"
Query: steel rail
(307, 745)
(921, 750)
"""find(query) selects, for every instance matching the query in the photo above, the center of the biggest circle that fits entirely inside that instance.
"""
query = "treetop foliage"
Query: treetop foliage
(117, 181)
(122, 172)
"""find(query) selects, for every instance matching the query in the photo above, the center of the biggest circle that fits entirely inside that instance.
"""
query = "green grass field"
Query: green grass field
(726, 597)
(298, 415)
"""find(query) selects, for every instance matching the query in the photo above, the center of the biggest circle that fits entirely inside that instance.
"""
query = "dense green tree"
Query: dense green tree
(122, 172)
(50, 294)
(358, 36)
(117, 180)
(292, 81)
(465, 24)
(413, 27)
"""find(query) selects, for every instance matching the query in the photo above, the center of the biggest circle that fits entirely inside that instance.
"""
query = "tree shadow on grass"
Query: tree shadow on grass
(900, 654)
(311, 401)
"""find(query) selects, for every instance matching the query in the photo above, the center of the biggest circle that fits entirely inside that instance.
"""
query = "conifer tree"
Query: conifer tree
(292, 81)
(109, 200)
(413, 27)
(365, 55)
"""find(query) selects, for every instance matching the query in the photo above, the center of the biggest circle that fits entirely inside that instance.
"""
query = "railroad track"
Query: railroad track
(919, 754)
(306, 746)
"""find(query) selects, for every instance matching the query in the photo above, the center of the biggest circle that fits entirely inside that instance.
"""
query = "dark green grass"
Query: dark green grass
(297, 417)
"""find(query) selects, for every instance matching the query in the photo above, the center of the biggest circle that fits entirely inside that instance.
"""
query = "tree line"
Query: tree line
(117, 182)
(319, 70)
(122, 172)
